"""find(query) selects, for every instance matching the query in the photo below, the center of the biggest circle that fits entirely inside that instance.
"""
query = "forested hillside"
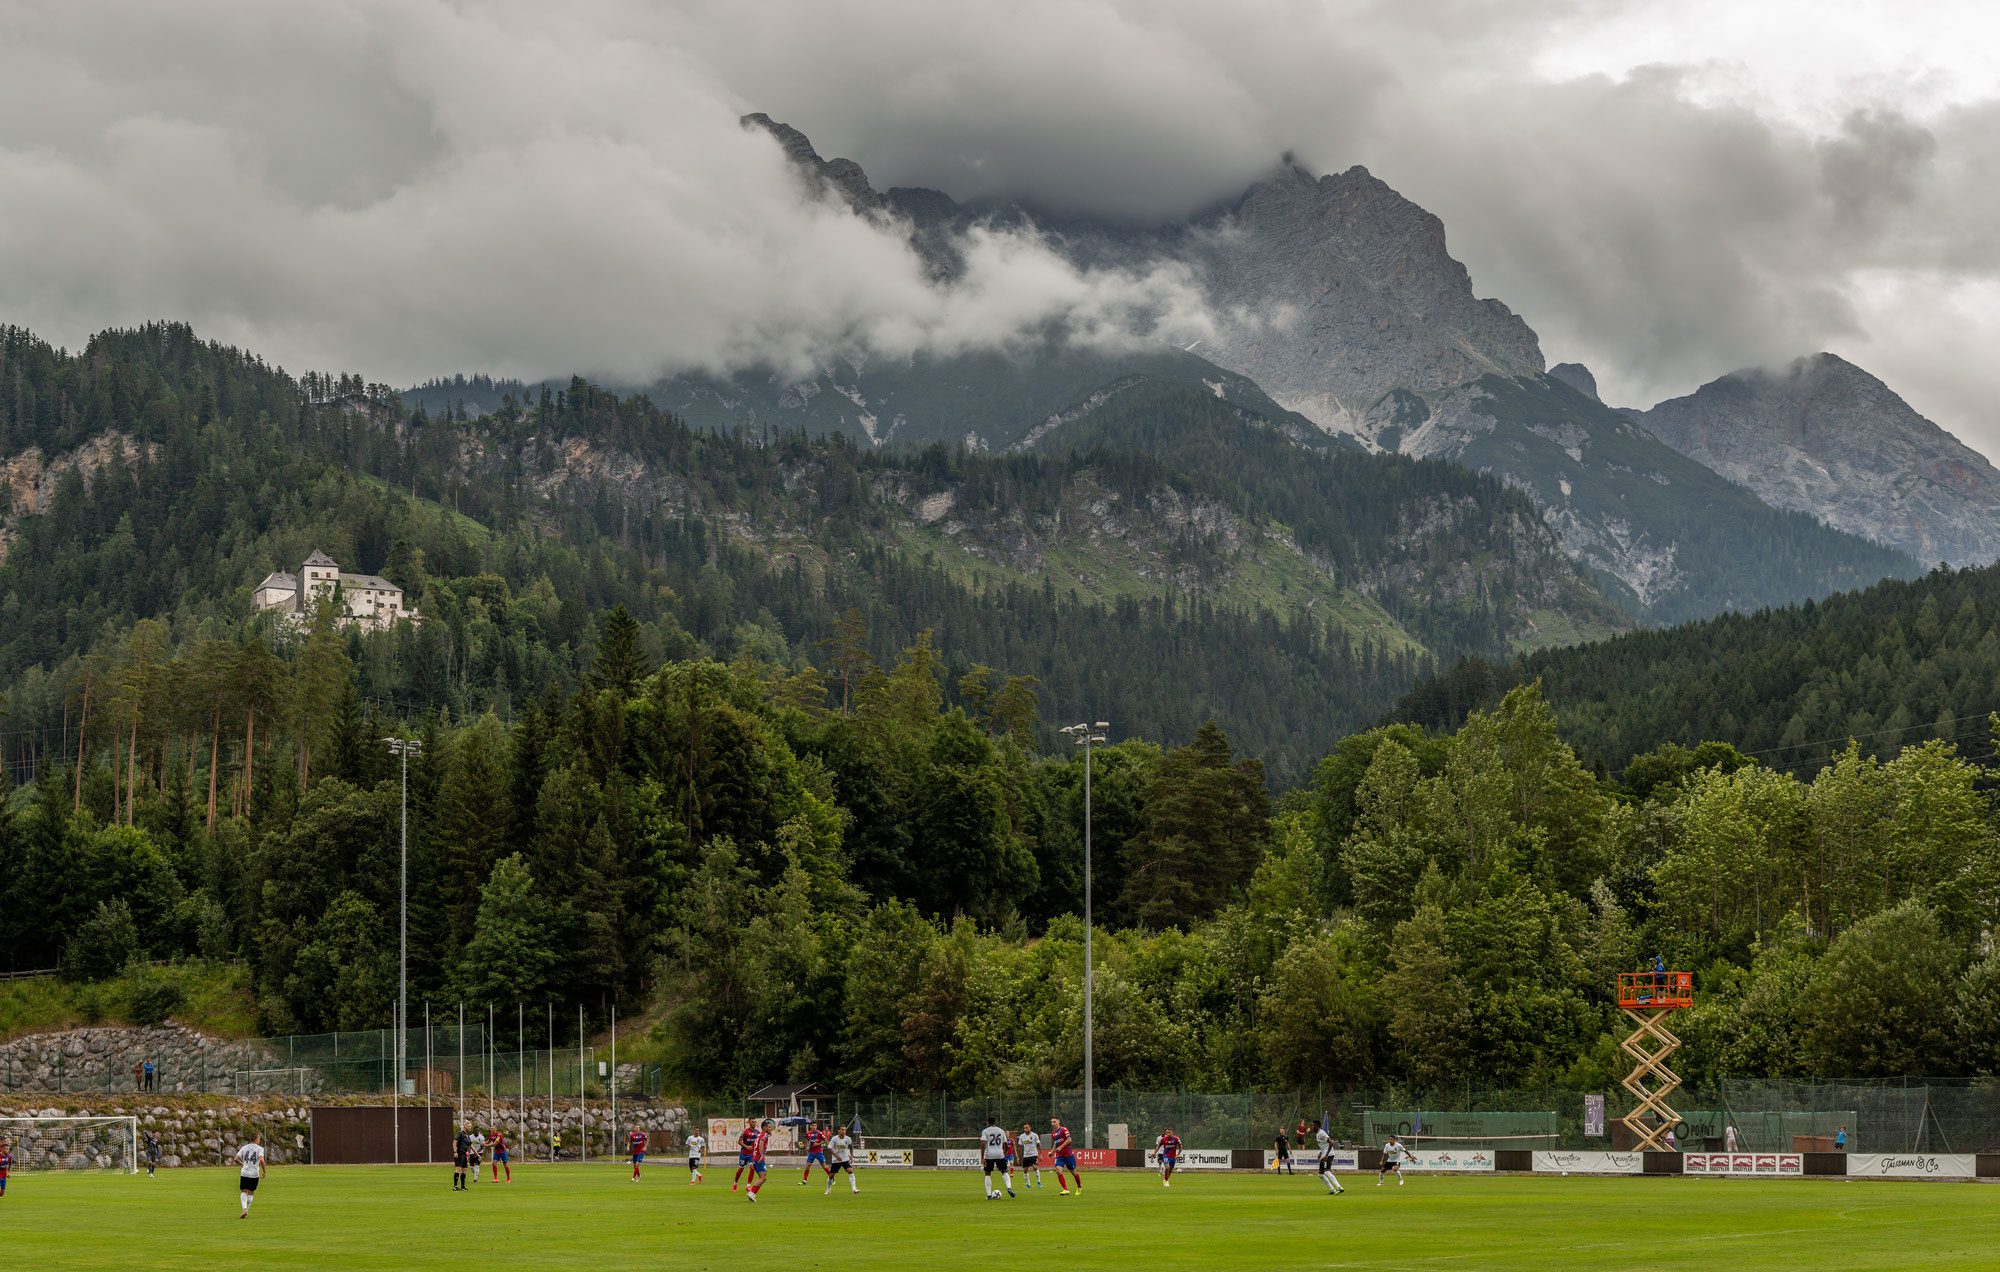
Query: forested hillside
(1892, 666)
(155, 477)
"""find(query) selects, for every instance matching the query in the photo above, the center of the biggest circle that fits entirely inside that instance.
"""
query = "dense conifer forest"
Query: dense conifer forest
(1892, 666)
(744, 794)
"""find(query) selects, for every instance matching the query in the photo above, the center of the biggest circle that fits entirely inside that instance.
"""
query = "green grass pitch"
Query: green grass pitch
(592, 1217)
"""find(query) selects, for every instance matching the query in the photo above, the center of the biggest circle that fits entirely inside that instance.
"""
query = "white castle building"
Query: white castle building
(368, 600)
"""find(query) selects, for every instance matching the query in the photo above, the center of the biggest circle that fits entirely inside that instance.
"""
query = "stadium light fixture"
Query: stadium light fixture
(403, 747)
(1087, 736)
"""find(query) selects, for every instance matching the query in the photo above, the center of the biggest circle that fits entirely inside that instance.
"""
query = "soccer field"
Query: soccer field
(593, 1217)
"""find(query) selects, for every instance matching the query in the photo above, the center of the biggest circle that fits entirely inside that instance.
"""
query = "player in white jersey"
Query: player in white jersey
(1030, 1145)
(1393, 1153)
(250, 1159)
(1325, 1142)
(993, 1157)
(697, 1143)
(840, 1157)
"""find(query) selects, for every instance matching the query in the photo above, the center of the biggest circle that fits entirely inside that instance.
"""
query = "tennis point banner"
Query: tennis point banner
(1744, 1164)
(1588, 1163)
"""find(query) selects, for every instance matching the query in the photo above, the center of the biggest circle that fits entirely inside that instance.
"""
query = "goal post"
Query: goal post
(72, 1143)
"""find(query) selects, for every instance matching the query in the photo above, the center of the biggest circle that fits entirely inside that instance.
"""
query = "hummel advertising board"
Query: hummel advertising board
(1192, 1159)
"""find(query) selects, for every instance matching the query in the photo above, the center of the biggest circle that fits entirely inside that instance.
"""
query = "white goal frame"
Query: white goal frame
(11, 1130)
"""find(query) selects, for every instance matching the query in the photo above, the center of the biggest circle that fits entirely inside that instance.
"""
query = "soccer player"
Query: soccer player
(152, 1155)
(1283, 1161)
(758, 1147)
(1170, 1155)
(841, 1150)
(1064, 1149)
(6, 1164)
(696, 1143)
(496, 1142)
(1325, 1142)
(635, 1144)
(461, 1156)
(746, 1152)
(250, 1170)
(475, 1152)
(1031, 1155)
(1392, 1159)
(1011, 1147)
(816, 1139)
(992, 1157)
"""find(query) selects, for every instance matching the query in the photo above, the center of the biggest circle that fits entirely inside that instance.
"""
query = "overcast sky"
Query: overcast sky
(407, 188)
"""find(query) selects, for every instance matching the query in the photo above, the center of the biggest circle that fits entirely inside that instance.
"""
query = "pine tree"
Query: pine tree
(620, 663)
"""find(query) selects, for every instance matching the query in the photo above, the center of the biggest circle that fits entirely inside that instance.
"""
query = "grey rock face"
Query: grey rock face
(1336, 291)
(1824, 437)
(1578, 377)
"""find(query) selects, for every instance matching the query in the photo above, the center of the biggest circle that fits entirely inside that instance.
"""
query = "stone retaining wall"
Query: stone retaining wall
(100, 1059)
(207, 1130)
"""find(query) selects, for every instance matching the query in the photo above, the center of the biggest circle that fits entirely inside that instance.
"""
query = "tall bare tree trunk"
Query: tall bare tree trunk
(78, 805)
(249, 755)
(214, 753)
(117, 763)
(131, 770)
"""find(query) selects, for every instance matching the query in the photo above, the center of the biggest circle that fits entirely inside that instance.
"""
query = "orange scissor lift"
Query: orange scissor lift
(1649, 998)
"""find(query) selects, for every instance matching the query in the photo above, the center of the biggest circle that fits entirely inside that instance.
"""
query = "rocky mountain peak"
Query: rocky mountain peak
(843, 177)
(1578, 377)
(1823, 436)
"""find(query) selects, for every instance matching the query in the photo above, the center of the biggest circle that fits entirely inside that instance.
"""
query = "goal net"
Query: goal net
(72, 1143)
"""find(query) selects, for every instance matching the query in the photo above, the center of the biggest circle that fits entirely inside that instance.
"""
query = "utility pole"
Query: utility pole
(1087, 736)
(403, 747)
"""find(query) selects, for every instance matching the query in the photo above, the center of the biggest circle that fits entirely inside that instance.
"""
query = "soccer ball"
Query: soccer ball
(1565, 1174)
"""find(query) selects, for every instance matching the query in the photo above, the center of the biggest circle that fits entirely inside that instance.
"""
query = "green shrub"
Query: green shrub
(153, 998)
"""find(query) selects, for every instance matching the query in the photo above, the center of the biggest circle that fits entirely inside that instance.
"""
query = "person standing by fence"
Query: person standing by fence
(1283, 1161)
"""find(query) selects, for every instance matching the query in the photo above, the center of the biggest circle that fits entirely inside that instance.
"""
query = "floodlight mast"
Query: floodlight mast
(403, 747)
(1087, 736)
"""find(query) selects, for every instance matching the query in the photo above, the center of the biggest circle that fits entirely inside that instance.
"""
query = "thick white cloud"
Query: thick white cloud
(1665, 192)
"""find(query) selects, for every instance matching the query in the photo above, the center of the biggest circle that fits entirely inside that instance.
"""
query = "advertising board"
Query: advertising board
(1743, 1164)
(958, 1158)
(1450, 1159)
(1912, 1166)
(1192, 1159)
(1588, 1163)
(1343, 1159)
(886, 1157)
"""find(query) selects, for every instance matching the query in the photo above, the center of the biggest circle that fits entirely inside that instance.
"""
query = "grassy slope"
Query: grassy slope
(1273, 576)
(357, 1218)
(217, 1001)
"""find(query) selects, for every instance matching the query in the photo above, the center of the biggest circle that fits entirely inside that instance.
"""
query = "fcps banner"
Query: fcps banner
(1556, 1161)
(1912, 1166)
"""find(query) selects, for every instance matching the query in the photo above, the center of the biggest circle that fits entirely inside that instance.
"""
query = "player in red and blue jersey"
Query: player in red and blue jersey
(816, 1140)
(496, 1144)
(758, 1147)
(6, 1162)
(1065, 1154)
(746, 1152)
(1170, 1156)
(635, 1144)
(1011, 1148)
